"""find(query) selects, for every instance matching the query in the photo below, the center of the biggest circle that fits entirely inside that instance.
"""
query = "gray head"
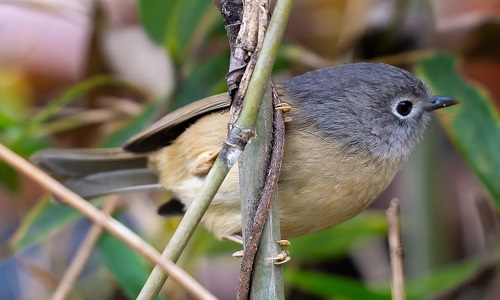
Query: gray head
(371, 107)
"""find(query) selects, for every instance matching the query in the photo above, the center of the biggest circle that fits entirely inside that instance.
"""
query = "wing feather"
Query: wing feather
(168, 128)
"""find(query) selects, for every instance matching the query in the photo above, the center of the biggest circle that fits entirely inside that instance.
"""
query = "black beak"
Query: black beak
(440, 102)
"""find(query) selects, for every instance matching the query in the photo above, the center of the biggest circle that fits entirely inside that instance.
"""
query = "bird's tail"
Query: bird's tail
(98, 172)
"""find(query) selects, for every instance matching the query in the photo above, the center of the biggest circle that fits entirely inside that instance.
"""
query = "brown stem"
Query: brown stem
(83, 254)
(246, 52)
(396, 250)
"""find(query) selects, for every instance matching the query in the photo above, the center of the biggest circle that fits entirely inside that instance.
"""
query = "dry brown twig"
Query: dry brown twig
(111, 225)
(396, 250)
(42, 275)
(245, 51)
(83, 254)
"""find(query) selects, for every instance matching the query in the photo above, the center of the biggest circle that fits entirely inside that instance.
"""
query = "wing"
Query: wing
(168, 128)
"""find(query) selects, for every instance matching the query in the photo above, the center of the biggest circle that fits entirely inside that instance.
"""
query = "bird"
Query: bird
(350, 129)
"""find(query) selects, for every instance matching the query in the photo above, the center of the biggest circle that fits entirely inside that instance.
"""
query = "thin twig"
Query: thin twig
(41, 274)
(111, 225)
(94, 116)
(246, 52)
(396, 251)
(268, 192)
(245, 17)
(83, 254)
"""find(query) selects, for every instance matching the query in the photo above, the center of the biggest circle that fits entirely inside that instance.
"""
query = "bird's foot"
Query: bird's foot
(283, 256)
(279, 259)
(283, 243)
(283, 106)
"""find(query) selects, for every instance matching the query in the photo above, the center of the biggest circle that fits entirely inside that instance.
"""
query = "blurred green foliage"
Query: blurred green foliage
(175, 24)
(129, 269)
(331, 286)
(25, 134)
(474, 125)
(339, 240)
(14, 112)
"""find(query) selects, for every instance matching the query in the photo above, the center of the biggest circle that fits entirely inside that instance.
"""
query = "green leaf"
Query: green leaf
(45, 219)
(338, 240)
(10, 114)
(330, 286)
(125, 265)
(473, 125)
(440, 280)
(450, 276)
(155, 15)
(174, 23)
(207, 79)
(183, 25)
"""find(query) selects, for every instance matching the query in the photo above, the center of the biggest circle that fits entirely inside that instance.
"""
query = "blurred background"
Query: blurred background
(77, 73)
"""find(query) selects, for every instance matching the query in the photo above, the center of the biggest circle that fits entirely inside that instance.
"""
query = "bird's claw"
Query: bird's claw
(238, 254)
(283, 243)
(284, 256)
(281, 258)
(284, 107)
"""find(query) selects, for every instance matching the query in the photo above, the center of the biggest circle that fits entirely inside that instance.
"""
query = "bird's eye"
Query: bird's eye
(404, 108)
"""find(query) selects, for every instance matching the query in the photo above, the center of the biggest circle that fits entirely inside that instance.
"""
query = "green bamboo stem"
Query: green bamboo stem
(267, 279)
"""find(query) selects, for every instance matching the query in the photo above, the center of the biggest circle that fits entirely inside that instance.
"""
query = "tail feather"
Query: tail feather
(114, 182)
(97, 172)
(82, 162)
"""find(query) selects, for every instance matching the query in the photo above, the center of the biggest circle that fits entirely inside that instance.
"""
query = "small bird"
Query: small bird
(351, 129)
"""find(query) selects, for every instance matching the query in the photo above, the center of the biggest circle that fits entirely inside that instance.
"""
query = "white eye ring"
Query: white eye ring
(403, 109)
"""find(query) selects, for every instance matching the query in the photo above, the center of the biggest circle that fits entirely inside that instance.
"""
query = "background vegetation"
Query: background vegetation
(85, 74)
